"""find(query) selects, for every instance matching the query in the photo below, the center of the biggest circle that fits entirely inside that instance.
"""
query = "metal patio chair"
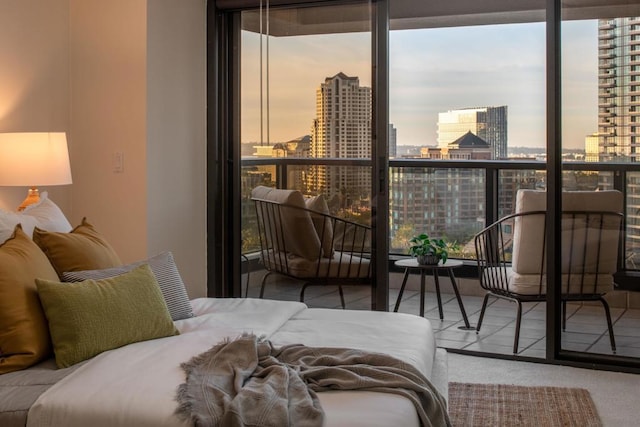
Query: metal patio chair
(511, 252)
(309, 245)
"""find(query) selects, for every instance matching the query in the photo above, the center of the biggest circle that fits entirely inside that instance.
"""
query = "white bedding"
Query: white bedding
(135, 385)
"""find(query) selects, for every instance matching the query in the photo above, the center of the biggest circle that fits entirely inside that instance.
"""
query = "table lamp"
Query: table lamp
(30, 159)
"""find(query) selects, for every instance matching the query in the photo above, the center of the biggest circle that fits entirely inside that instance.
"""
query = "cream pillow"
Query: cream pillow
(300, 236)
(322, 224)
(45, 215)
(48, 215)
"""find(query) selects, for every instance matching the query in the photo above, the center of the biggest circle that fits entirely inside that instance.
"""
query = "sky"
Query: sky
(431, 71)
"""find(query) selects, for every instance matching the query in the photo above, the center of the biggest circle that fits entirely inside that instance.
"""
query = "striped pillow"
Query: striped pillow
(167, 275)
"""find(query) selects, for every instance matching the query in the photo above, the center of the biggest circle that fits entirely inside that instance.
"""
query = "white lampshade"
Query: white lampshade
(34, 158)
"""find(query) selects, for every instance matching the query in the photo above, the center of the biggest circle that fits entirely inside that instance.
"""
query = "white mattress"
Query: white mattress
(135, 385)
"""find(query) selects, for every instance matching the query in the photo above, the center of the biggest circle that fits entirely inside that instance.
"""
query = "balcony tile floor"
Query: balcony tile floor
(586, 324)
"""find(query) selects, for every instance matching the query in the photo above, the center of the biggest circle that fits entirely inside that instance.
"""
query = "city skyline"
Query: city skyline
(425, 79)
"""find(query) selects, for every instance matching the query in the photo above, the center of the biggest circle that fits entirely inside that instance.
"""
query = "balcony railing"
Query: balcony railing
(454, 198)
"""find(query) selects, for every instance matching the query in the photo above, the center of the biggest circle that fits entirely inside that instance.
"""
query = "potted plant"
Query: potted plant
(430, 251)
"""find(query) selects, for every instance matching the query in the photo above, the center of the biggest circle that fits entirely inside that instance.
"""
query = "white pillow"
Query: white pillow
(45, 215)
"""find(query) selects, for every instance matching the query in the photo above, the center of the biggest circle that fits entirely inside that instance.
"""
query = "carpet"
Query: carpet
(510, 405)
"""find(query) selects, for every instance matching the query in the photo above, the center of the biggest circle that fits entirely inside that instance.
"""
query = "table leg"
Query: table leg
(462, 310)
(437, 281)
(404, 283)
(422, 292)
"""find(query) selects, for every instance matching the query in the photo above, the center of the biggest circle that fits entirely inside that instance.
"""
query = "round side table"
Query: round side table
(412, 264)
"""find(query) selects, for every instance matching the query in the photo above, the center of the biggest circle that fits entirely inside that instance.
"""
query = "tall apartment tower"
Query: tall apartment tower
(619, 89)
(341, 129)
(393, 141)
(488, 123)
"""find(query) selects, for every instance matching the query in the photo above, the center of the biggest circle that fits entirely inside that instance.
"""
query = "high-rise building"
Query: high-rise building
(619, 89)
(393, 141)
(341, 129)
(591, 151)
(488, 123)
(619, 108)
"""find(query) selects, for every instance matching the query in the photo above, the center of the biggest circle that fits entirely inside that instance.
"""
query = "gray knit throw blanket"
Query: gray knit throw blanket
(248, 382)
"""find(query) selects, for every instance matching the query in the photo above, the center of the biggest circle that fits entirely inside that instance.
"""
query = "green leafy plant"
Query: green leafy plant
(423, 245)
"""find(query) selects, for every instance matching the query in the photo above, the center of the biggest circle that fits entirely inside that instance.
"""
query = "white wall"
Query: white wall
(34, 78)
(122, 76)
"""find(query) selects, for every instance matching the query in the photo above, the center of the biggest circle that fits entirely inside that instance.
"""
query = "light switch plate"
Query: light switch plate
(117, 162)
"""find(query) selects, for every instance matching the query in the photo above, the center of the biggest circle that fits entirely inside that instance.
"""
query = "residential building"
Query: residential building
(441, 201)
(619, 89)
(591, 150)
(341, 129)
(488, 123)
(393, 141)
(619, 105)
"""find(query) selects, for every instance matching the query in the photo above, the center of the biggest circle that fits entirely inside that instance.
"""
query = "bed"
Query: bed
(88, 341)
(135, 385)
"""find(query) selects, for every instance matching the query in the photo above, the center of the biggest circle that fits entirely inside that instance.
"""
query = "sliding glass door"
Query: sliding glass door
(431, 117)
(600, 110)
(307, 102)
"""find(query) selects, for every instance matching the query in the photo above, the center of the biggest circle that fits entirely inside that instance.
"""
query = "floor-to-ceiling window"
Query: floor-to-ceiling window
(306, 110)
(468, 92)
(597, 115)
(469, 119)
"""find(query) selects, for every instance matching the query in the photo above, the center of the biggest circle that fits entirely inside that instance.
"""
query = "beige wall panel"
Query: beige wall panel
(34, 79)
(108, 116)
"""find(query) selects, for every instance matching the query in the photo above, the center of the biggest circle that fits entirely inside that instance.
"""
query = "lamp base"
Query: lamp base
(32, 197)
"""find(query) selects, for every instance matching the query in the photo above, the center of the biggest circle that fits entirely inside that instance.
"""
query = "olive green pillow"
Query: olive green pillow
(24, 336)
(89, 317)
(81, 249)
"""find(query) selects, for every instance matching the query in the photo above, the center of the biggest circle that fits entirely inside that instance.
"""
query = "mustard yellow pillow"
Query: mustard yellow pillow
(81, 249)
(24, 336)
(89, 317)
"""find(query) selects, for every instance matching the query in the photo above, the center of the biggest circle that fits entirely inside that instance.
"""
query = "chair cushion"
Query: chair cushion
(528, 232)
(322, 224)
(341, 265)
(529, 284)
(351, 238)
(300, 237)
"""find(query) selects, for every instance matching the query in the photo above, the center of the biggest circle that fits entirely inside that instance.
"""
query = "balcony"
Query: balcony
(586, 328)
(605, 36)
(607, 104)
(488, 188)
(414, 183)
(606, 45)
